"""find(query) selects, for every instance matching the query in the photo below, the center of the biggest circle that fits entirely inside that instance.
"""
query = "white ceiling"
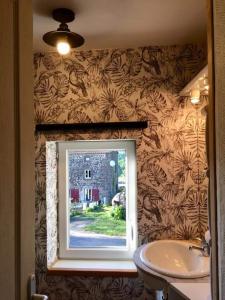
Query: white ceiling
(125, 23)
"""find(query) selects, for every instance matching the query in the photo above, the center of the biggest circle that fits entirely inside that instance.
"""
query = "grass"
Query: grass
(103, 222)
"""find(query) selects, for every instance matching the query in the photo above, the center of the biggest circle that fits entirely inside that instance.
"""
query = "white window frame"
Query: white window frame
(87, 174)
(114, 253)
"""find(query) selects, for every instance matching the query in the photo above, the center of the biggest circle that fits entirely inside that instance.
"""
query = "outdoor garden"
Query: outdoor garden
(101, 222)
(102, 219)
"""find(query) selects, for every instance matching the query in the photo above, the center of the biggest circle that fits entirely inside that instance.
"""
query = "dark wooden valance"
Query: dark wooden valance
(91, 126)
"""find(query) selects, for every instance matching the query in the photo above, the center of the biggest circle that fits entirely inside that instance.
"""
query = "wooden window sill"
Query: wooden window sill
(101, 268)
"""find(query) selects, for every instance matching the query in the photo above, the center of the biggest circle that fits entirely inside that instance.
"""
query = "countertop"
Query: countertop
(193, 291)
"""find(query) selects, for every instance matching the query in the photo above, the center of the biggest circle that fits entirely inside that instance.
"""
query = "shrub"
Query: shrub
(74, 213)
(121, 189)
(96, 208)
(118, 212)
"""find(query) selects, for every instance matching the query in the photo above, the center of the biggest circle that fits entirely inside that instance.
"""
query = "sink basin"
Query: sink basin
(173, 258)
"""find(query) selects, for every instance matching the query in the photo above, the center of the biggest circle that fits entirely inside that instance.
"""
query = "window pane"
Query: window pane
(97, 201)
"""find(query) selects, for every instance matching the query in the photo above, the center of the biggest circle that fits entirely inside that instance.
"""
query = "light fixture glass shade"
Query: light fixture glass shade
(63, 47)
(195, 96)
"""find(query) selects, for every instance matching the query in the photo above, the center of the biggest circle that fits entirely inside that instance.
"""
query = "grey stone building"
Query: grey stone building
(93, 176)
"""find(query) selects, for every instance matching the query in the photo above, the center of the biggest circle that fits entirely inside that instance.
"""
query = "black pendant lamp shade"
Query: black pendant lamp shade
(63, 15)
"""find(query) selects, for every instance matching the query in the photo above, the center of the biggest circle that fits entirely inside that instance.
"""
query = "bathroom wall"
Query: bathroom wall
(126, 85)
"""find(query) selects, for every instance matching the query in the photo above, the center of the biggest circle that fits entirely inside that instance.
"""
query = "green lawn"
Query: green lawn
(103, 222)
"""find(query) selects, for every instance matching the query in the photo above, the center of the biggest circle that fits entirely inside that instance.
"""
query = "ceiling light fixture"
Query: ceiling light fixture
(62, 38)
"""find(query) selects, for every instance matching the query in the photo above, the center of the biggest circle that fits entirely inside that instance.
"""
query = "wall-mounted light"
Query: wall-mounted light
(112, 163)
(206, 84)
(200, 83)
(62, 38)
(195, 96)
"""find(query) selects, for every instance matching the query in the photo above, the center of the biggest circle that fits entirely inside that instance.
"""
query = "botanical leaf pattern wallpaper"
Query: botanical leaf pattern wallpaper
(126, 85)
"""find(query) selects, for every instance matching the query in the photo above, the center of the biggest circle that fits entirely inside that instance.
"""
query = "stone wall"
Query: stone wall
(104, 178)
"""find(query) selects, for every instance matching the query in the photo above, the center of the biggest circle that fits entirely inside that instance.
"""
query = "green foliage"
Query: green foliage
(102, 222)
(96, 208)
(74, 213)
(121, 189)
(119, 212)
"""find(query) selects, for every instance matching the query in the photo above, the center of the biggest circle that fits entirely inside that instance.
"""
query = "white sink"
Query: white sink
(173, 258)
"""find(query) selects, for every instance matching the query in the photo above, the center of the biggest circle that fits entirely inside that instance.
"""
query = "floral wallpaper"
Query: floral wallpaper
(126, 85)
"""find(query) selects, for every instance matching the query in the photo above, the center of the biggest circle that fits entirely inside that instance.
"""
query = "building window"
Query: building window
(88, 194)
(98, 218)
(87, 174)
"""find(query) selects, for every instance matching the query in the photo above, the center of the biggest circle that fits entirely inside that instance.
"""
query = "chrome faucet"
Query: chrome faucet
(205, 245)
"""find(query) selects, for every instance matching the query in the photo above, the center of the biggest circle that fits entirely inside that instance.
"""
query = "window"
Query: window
(98, 217)
(88, 194)
(87, 174)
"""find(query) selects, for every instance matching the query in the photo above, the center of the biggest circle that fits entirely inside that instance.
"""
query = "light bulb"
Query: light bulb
(194, 100)
(195, 96)
(63, 48)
